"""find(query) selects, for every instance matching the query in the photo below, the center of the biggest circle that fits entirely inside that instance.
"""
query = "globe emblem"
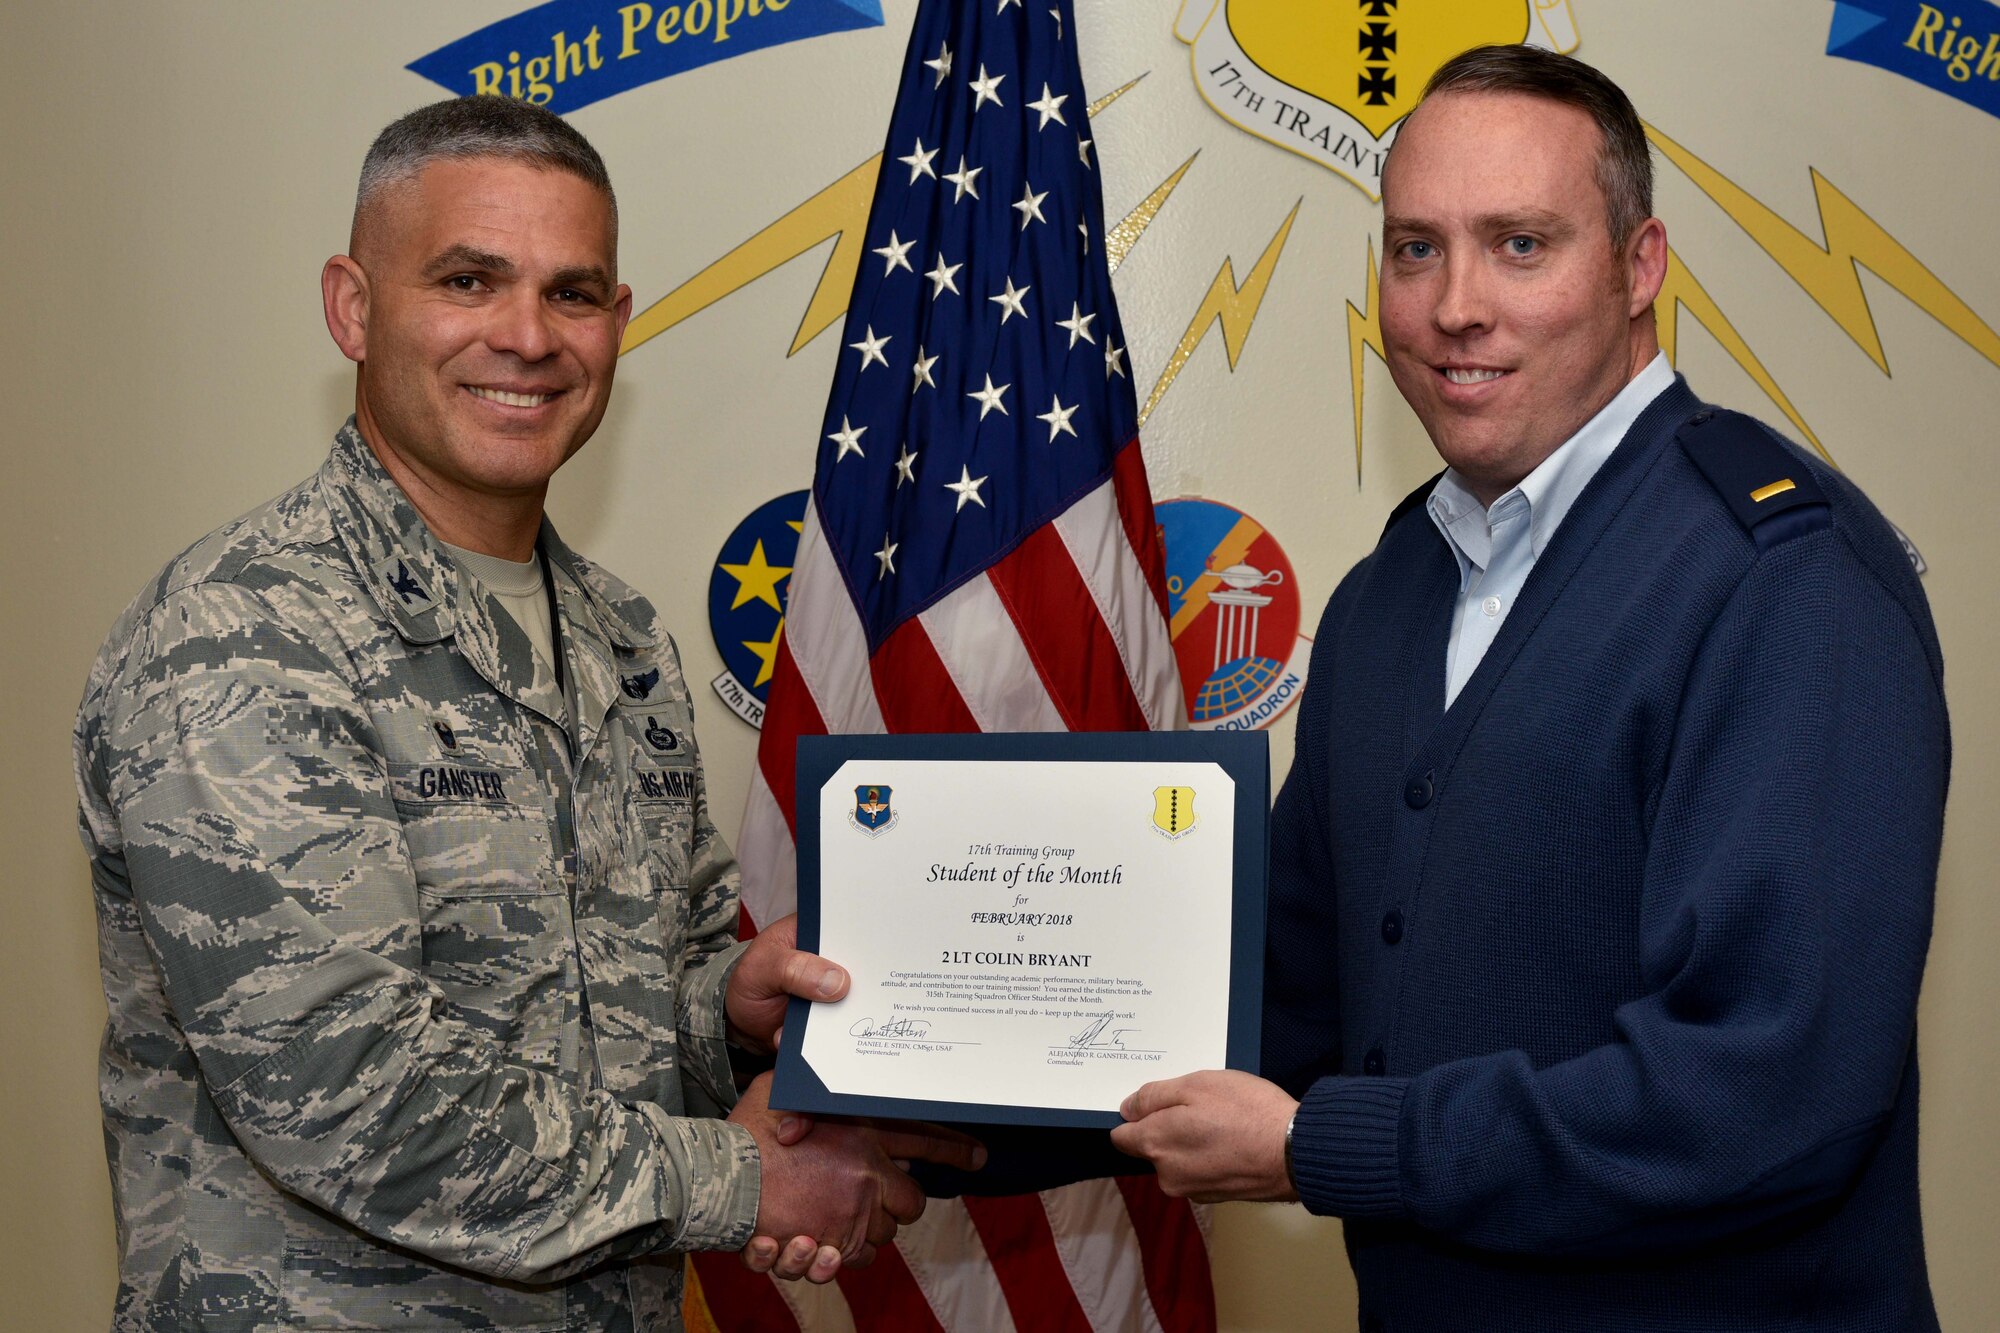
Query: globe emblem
(1233, 607)
(1235, 686)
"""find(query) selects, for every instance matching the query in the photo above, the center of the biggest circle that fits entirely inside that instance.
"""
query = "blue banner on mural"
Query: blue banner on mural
(569, 53)
(1951, 45)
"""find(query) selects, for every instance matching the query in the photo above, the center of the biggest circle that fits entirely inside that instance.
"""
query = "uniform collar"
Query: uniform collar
(428, 598)
(1548, 492)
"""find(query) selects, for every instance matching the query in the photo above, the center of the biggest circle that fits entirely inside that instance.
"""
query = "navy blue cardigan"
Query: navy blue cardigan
(1599, 987)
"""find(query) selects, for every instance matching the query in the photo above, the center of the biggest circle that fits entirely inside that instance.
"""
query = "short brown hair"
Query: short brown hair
(1624, 162)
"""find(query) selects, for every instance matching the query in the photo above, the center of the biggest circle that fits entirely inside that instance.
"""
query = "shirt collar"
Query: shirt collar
(1553, 487)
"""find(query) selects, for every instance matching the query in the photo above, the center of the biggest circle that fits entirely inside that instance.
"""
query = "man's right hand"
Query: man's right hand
(839, 1186)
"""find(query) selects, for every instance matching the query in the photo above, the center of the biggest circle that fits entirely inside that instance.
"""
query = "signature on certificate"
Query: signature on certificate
(1101, 1033)
(895, 1027)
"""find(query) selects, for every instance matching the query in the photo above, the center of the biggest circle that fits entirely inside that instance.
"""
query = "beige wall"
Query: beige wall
(174, 174)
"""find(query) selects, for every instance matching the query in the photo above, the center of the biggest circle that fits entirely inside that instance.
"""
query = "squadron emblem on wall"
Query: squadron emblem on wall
(1332, 81)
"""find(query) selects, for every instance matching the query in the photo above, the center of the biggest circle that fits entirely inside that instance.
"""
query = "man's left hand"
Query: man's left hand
(771, 971)
(1212, 1136)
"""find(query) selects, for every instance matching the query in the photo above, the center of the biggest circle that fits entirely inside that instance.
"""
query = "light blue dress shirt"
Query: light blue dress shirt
(1496, 547)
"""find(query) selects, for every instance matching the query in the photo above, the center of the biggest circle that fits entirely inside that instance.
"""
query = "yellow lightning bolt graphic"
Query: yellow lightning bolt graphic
(1682, 289)
(1364, 330)
(838, 213)
(1227, 304)
(1118, 242)
(1830, 273)
(1229, 551)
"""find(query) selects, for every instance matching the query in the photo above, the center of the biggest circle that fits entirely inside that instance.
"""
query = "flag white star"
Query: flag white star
(1058, 417)
(1050, 107)
(871, 347)
(1056, 14)
(919, 162)
(886, 557)
(923, 371)
(986, 89)
(1010, 300)
(1005, 3)
(1029, 205)
(942, 64)
(941, 277)
(848, 437)
(895, 255)
(1083, 148)
(1114, 360)
(989, 398)
(1078, 324)
(967, 486)
(1083, 230)
(964, 179)
(906, 462)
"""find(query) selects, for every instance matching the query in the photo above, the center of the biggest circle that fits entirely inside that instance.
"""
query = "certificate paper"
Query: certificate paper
(1035, 925)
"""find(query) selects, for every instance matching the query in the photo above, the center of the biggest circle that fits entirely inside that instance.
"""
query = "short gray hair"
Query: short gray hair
(459, 128)
(1624, 162)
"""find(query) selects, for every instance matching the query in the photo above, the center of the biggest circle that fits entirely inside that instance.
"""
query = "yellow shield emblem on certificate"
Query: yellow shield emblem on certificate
(1173, 810)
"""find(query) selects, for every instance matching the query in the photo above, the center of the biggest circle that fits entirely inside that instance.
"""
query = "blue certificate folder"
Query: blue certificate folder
(1244, 756)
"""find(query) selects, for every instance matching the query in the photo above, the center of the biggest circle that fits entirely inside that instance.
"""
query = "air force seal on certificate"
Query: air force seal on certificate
(1173, 811)
(871, 813)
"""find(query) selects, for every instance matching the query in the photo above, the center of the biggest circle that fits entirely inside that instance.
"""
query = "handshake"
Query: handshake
(830, 1193)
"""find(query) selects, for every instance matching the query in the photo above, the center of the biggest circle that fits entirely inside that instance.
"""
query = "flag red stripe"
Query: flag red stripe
(739, 1300)
(1135, 509)
(790, 714)
(1175, 1256)
(885, 1296)
(1065, 634)
(1022, 1248)
(914, 690)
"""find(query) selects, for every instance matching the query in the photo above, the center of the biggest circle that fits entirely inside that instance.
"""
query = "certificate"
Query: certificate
(1035, 925)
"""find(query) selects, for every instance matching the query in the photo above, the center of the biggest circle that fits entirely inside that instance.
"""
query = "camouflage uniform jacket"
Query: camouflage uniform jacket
(416, 995)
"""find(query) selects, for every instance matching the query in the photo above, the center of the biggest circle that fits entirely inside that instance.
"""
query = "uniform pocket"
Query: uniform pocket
(496, 922)
(354, 1284)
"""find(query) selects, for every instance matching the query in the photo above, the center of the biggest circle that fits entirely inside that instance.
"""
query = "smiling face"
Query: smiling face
(1508, 315)
(483, 307)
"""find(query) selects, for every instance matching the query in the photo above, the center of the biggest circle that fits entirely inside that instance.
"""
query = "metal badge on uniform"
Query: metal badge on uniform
(454, 743)
(411, 594)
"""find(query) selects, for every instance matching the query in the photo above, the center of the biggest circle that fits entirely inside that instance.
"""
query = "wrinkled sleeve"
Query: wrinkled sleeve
(1787, 900)
(254, 810)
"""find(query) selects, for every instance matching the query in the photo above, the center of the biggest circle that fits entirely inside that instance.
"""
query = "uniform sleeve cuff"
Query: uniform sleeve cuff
(720, 1177)
(1345, 1157)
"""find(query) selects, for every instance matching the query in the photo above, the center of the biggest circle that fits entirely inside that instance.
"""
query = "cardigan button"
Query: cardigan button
(1392, 928)
(1373, 1064)
(1418, 794)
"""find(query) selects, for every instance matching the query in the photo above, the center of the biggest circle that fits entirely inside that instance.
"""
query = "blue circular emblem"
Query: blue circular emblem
(746, 602)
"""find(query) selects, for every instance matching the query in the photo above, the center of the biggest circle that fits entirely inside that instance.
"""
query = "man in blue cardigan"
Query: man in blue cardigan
(1602, 881)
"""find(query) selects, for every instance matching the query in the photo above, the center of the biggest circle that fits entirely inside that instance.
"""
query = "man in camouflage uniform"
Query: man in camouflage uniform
(417, 938)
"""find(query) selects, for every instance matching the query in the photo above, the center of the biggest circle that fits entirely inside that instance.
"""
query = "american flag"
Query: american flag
(979, 554)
